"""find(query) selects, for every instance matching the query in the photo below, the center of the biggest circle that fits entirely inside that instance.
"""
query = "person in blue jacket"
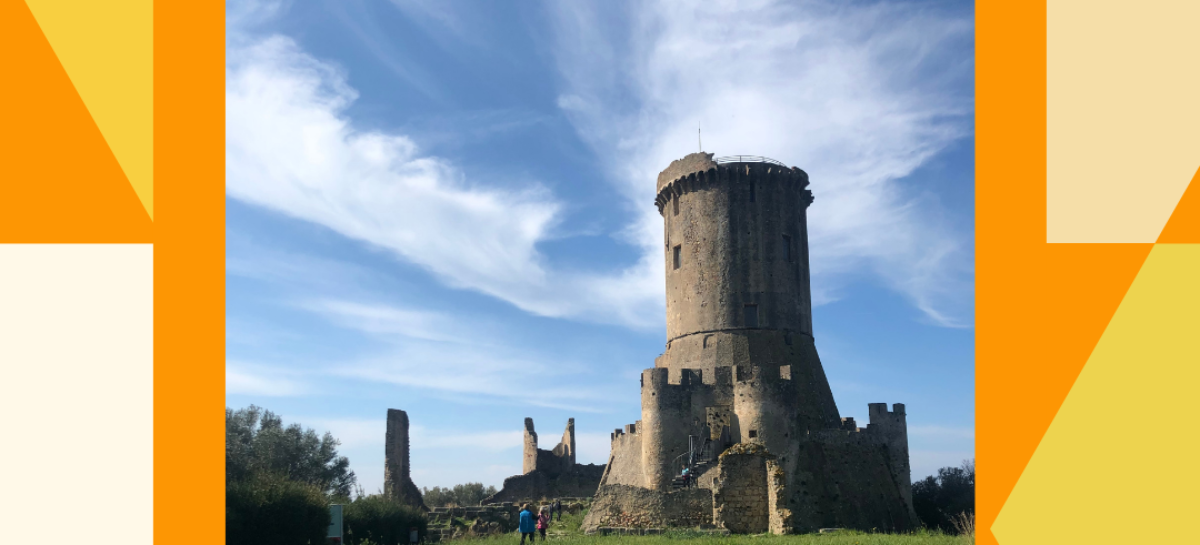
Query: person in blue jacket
(528, 525)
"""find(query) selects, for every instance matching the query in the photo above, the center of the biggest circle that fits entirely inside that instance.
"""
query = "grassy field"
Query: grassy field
(566, 532)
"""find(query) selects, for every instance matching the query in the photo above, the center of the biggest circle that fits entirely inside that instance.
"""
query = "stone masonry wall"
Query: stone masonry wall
(580, 482)
(625, 461)
(740, 493)
(635, 507)
(844, 479)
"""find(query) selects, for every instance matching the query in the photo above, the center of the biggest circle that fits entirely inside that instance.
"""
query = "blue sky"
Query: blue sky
(447, 208)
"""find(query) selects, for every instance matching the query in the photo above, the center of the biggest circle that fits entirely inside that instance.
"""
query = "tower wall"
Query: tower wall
(741, 233)
(397, 482)
(891, 427)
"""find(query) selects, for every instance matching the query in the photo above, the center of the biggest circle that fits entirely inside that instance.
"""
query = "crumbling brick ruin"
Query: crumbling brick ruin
(397, 482)
(549, 473)
(739, 396)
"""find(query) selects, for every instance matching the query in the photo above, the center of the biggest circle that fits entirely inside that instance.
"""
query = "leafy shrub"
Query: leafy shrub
(256, 442)
(461, 495)
(380, 520)
(946, 501)
(272, 510)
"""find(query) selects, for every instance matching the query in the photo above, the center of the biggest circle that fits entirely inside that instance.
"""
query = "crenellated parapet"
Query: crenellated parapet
(682, 409)
(731, 174)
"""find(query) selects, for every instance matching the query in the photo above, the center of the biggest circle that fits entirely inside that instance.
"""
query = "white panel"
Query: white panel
(76, 392)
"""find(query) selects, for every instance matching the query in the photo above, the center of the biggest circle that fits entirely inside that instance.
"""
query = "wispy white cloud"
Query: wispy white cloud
(388, 321)
(455, 359)
(290, 148)
(470, 373)
(250, 379)
(857, 95)
(491, 441)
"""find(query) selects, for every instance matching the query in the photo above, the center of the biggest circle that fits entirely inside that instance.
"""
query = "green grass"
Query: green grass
(678, 538)
(567, 532)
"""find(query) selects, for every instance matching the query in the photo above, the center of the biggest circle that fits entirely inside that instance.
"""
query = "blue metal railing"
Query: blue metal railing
(747, 159)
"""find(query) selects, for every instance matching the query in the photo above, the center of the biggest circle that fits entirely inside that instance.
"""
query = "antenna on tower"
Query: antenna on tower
(698, 141)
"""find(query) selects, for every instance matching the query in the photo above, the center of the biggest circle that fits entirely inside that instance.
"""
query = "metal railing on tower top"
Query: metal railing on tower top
(746, 159)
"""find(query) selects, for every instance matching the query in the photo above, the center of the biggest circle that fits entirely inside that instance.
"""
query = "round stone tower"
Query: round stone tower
(736, 247)
(737, 276)
(741, 373)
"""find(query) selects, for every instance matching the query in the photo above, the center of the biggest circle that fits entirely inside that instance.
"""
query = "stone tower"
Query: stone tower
(740, 368)
(397, 482)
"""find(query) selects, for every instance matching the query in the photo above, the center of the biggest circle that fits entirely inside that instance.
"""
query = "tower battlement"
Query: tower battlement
(695, 170)
(880, 415)
(674, 382)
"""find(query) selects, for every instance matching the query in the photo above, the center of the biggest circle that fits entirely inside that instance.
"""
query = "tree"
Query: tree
(257, 443)
(938, 500)
(459, 495)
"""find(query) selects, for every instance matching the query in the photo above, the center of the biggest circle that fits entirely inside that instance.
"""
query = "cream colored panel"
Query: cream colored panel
(77, 409)
(1123, 116)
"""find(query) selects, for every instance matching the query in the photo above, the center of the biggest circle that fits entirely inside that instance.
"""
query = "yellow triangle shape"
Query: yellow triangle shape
(107, 48)
(1117, 465)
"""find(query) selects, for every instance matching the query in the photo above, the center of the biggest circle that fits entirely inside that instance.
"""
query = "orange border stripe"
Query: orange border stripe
(1040, 307)
(189, 267)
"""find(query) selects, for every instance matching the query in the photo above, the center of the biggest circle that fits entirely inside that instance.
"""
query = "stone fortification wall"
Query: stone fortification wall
(736, 236)
(635, 507)
(581, 482)
(891, 429)
(625, 458)
(766, 349)
(397, 482)
(848, 478)
(765, 404)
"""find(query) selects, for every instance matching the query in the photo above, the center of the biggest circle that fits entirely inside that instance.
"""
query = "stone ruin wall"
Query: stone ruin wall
(549, 473)
(397, 481)
(740, 502)
(626, 506)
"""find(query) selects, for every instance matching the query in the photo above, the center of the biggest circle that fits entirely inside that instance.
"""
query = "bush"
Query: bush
(461, 495)
(381, 521)
(271, 510)
(946, 501)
